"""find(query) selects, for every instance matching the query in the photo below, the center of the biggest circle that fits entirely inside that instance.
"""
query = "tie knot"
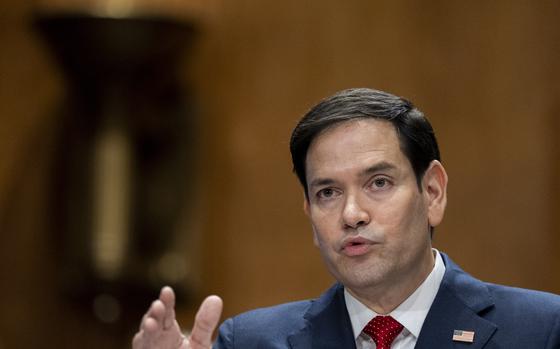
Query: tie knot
(383, 330)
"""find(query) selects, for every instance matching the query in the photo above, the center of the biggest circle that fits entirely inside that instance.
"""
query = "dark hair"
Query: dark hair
(416, 136)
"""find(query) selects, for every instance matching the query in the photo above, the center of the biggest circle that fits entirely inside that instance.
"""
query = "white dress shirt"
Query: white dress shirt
(411, 313)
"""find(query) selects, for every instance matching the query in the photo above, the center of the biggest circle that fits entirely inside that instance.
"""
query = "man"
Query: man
(374, 190)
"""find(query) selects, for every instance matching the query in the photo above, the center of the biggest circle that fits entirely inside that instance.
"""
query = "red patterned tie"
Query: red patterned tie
(383, 330)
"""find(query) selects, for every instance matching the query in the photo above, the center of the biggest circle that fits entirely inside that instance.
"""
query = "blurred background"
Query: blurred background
(145, 143)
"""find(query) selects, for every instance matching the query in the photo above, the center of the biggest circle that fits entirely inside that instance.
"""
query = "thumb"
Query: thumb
(205, 322)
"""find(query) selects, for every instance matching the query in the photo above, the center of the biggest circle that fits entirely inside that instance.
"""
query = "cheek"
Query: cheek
(321, 219)
(322, 226)
(402, 217)
(391, 216)
(415, 224)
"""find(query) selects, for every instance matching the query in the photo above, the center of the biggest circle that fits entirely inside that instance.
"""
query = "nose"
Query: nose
(354, 215)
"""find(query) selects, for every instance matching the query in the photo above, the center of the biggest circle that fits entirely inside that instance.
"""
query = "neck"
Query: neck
(386, 297)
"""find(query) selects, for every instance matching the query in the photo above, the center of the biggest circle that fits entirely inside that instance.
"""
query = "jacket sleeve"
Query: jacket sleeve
(554, 339)
(225, 336)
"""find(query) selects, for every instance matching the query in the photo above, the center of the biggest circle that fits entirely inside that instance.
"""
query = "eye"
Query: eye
(380, 182)
(326, 193)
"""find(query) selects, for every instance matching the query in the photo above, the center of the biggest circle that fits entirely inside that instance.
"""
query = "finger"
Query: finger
(167, 297)
(151, 326)
(146, 315)
(205, 322)
(137, 340)
(143, 320)
(154, 317)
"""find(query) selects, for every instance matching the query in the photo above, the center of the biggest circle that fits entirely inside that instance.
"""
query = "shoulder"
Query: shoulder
(282, 315)
(260, 327)
(272, 327)
(521, 317)
(524, 302)
(480, 294)
(526, 318)
(473, 291)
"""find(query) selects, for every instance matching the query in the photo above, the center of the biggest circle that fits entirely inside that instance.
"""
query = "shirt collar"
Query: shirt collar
(411, 313)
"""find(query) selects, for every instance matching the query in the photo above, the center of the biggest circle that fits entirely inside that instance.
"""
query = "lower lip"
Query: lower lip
(356, 250)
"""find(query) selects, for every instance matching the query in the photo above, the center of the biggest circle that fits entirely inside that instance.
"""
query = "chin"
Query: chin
(361, 279)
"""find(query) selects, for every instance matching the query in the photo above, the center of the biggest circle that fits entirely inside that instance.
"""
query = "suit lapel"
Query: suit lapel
(458, 305)
(327, 324)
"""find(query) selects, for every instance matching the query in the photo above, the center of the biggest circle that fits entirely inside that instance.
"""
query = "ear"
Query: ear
(306, 205)
(434, 185)
(307, 211)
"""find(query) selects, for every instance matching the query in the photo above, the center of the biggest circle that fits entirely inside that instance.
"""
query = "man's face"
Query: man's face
(370, 220)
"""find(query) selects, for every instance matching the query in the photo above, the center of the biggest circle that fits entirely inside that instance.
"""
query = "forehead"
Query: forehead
(352, 144)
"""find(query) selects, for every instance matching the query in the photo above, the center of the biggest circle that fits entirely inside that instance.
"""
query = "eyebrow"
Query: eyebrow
(379, 167)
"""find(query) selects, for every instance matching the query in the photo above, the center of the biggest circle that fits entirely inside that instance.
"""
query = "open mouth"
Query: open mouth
(356, 247)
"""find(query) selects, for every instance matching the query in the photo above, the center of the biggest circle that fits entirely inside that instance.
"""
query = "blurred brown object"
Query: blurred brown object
(178, 9)
(125, 142)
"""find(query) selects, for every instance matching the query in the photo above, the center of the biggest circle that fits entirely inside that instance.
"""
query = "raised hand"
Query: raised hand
(159, 328)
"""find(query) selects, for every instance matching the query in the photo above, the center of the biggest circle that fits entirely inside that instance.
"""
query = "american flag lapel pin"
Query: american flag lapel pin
(463, 336)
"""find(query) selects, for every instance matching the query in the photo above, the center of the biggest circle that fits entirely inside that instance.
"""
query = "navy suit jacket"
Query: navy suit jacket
(500, 317)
